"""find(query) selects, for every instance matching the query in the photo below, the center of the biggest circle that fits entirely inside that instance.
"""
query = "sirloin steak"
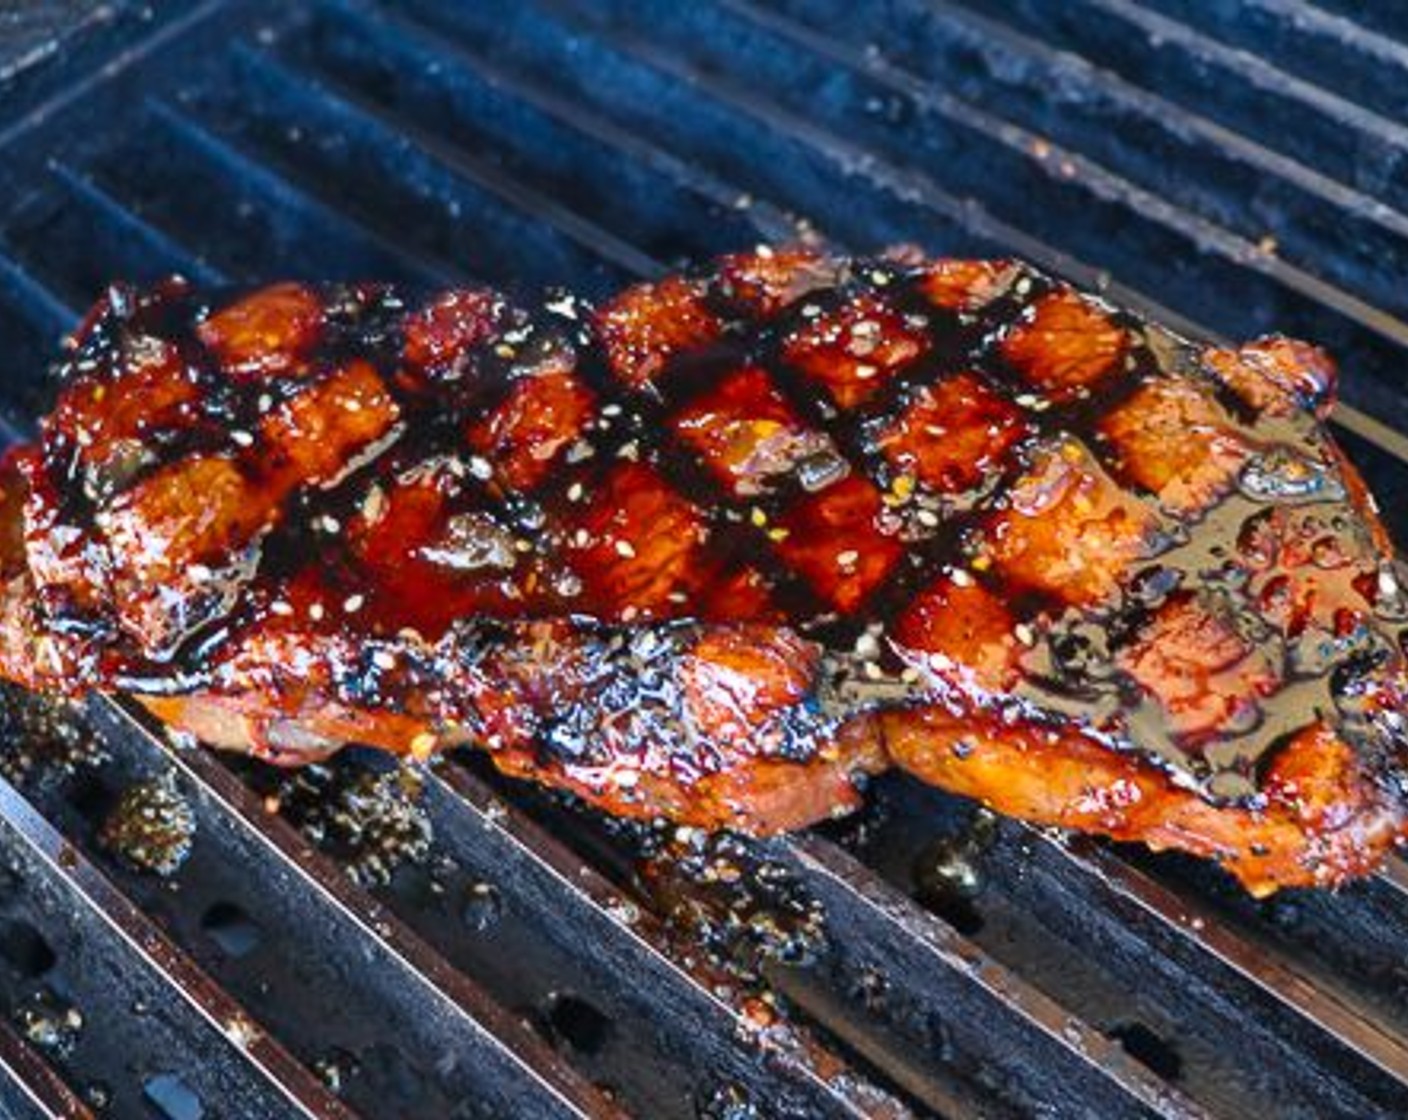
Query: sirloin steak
(725, 546)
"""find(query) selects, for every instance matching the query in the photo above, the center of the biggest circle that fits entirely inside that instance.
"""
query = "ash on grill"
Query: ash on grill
(359, 807)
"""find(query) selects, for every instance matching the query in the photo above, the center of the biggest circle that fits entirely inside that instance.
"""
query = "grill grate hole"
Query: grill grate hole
(1147, 1047)
(172, 1098)
(25, 949)
(573, 1021)
(232, 929)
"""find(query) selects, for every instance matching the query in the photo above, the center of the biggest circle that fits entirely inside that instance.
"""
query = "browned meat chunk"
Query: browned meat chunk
(724, 546)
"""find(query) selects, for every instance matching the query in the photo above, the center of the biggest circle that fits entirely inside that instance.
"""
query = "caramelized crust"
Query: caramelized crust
(855, 349)
(954, 435)
(645, 326)
(1173, 439)
(267, 334)
(1067, 346)
(1322, 821)
(725, 547)
(746, 432)
(1067, 530)
(966, 285)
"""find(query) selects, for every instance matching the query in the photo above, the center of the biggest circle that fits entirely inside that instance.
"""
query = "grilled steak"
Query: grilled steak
(721, 548)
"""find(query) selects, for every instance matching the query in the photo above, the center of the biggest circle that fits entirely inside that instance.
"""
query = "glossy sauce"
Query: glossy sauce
(940, 479)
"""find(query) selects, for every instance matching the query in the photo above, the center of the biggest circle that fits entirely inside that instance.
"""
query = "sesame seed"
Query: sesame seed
(848, 558)
(243, 438)
(612, 409)
(383, 660)
(479, 467)
(329, 524)
(351, 405)
(374, 504)
(315, 612)
(574, 492)
(504, 351)
(581, 538)
(566, 307)
(353, 603)
(981, 563)
(629, 450)
(423, 745)
(1024, 634)
(962, 577)
(867, 647)
(278, 606)
(778, 534)
(928, 518)
(199, 573)
(865, 372)
(625, 548)
(758, 517)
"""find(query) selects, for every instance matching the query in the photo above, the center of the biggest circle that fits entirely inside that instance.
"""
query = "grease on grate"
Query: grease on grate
(357, 807)
(42, 738)
(152, 827)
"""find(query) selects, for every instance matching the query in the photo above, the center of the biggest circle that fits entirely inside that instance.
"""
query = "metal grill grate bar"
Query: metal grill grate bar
(1184, 157)
(1331, 52)
(1238, 88)
(676, 999)
(920, 956)
(439, 1007)
(148, 244)
(303, 1094)
(30, 1089)
(383, 256)
(1083, 212)
(1184, 917)
(325, 102)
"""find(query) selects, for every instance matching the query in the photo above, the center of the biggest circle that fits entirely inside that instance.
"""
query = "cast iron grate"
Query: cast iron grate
(983, 970)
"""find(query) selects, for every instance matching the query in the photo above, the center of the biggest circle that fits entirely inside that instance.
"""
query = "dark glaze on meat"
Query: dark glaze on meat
(718, 549)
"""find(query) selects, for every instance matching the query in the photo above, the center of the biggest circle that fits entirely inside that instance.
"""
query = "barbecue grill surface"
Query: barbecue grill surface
(1228, 168)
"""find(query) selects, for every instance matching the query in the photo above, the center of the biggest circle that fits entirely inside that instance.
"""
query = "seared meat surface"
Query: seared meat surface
(721, 548)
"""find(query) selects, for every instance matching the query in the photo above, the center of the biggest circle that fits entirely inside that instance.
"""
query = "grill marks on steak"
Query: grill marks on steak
(720, 548)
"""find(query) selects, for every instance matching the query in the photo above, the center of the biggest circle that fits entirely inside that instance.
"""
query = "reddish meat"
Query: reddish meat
(722, 547)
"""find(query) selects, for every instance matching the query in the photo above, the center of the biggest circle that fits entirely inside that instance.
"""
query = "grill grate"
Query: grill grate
(1135, 145)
